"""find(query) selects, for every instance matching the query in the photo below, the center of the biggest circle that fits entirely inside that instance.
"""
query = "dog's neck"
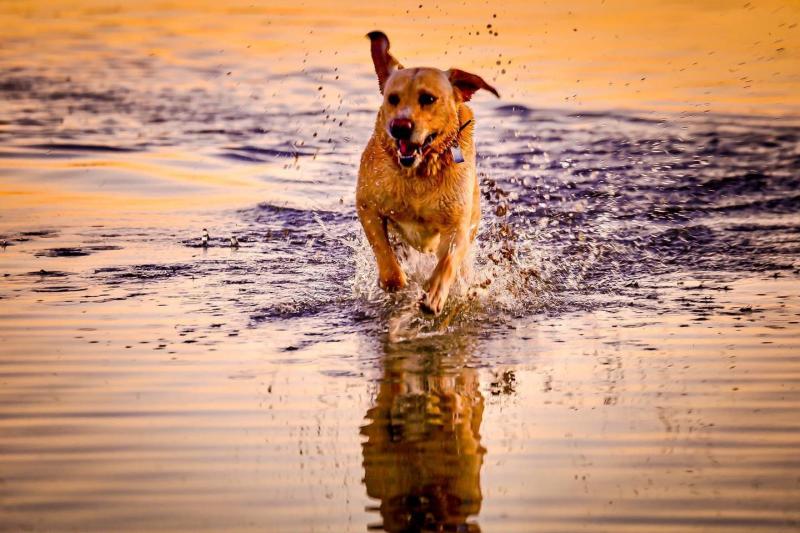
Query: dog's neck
(442, 155)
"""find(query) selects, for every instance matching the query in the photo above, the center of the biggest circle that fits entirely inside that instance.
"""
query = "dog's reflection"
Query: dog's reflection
(423, 456)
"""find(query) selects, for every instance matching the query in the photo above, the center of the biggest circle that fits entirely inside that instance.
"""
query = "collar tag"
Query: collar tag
(458, 157)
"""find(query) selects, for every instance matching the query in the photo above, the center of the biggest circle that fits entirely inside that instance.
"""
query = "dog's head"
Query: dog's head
(420, 105)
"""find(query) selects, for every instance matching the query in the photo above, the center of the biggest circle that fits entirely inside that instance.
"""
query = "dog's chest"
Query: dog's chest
(417, 234)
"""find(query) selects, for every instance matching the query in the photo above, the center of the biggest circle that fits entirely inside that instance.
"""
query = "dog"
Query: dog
(417, 175)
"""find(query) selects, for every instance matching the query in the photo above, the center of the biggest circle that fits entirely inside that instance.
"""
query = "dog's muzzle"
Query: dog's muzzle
(407, 151)
(402, 129)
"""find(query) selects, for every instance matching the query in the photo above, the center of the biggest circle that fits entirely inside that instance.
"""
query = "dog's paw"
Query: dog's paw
(433, 302)
(436, 290)
(393, 281)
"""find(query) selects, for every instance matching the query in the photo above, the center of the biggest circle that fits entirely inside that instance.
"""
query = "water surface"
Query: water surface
(626, 358)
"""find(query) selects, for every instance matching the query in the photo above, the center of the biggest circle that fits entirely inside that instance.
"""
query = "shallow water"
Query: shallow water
(626, 357)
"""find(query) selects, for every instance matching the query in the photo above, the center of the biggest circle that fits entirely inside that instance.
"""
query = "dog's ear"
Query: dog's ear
(466, 84)
(384, 62)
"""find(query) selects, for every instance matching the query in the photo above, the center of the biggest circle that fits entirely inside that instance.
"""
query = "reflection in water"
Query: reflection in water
(423, 455)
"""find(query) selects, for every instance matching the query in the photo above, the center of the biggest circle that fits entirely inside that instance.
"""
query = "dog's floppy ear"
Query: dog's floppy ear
(385, 64)
(466, 84)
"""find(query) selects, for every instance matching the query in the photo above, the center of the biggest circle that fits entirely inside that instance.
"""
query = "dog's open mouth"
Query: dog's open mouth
(407, 152)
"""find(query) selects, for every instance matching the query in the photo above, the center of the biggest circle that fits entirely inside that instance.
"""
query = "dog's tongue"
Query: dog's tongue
(407, 148)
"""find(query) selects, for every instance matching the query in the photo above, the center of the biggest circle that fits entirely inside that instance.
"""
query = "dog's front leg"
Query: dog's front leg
(452, 250)
(390, 276)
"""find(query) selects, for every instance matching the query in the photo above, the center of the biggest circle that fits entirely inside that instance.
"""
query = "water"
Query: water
(624, 359)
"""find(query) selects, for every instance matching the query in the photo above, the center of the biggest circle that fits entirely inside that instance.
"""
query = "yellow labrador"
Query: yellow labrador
(417, 176)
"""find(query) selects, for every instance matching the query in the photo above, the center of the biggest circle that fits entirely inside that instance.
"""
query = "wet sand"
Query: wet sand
(631, 361)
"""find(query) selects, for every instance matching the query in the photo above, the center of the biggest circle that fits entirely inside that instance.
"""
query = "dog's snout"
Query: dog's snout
(401, 128)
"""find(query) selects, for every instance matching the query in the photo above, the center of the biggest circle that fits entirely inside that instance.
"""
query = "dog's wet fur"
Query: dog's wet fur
(412, 180)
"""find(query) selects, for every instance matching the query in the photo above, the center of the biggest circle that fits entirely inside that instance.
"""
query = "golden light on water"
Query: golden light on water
(693, 56)
(623, 359)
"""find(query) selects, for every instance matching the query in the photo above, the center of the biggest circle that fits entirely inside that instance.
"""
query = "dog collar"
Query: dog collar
(455, 148)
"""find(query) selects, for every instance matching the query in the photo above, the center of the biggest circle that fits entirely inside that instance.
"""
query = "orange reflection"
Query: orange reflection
(423, 455)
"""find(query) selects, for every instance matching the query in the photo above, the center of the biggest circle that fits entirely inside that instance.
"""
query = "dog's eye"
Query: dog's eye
(426, 99)
(394, 99)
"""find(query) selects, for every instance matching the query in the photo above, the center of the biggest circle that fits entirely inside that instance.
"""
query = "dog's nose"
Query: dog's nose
(401, 128)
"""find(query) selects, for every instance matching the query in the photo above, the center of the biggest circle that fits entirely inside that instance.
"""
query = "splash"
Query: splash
(512, 269)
